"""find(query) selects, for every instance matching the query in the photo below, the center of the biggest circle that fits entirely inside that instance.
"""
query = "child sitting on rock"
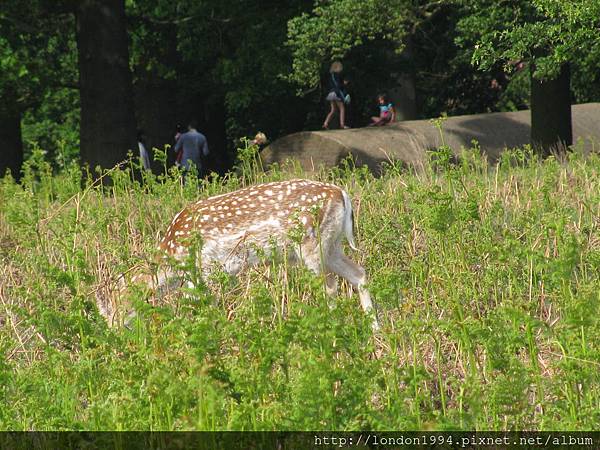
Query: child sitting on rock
(387, 112)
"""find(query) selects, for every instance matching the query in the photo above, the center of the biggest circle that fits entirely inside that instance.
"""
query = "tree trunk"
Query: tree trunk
(551, 127)
(11, 145)
(215, 118)
(405, 97)
(156, 98)
(405, 93)
(156, 109)
(107, 116)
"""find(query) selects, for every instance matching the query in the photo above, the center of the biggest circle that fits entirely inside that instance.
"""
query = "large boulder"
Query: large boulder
(409, 141)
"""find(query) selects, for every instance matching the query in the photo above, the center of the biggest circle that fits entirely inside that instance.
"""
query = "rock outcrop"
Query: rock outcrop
(409, 141)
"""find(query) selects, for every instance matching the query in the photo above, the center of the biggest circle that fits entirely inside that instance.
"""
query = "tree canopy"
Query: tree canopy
(247, 66)
(35, 58)
(549, 32)
(332, 29)
(554, 38)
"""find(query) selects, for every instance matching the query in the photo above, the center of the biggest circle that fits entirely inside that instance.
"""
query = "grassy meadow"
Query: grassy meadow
(486, 278)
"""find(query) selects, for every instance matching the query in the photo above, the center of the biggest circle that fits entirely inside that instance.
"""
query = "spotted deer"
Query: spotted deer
(238, 228)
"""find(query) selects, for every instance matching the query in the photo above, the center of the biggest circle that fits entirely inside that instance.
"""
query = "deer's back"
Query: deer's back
(254, 215)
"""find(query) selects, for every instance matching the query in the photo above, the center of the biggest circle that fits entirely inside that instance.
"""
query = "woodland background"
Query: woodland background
(78, 78)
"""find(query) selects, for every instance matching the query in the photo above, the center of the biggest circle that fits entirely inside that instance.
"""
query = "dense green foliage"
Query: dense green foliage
(54, 126)
(334, 28)
(550, 32)
(238, 68)
(225, 60)
(36, 55)
(546, 33)
(486, 279)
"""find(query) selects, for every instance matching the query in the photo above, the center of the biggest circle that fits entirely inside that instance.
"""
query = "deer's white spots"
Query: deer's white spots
(243, 225)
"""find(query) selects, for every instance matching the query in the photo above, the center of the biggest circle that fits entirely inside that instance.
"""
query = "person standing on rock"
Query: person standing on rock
(337, 96)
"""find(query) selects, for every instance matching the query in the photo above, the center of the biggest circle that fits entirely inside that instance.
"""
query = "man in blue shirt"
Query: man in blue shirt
(194, 145)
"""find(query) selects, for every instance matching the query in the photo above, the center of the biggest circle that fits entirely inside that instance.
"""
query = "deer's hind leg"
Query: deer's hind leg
(357, 277)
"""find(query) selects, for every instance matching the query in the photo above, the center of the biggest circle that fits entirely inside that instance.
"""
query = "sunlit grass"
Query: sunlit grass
(487, 280)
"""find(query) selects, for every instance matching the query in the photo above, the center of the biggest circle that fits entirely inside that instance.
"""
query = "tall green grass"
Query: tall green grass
(486, 277)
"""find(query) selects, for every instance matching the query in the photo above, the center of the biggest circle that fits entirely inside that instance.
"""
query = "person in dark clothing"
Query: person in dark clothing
(337, 96)
(194, 145)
